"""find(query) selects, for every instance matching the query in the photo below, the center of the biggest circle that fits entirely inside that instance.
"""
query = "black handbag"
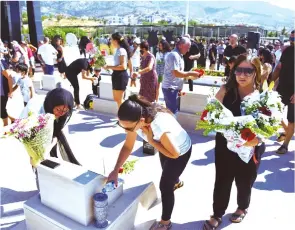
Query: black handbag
(148, 149)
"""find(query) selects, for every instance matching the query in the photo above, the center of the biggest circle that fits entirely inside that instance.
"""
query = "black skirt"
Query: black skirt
(61, 66)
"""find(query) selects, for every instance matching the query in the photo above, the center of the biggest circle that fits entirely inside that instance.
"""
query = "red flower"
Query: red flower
(247, 134)
(204, 114)
(121, 170)
(265, 111)
(200, 71)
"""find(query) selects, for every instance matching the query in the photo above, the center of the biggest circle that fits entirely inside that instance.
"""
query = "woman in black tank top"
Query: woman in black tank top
(244, 79)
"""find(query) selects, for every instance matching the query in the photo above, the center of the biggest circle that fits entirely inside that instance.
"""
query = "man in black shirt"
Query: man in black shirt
(232, 50)
(72, 71)
(284, 73)
(189, 59)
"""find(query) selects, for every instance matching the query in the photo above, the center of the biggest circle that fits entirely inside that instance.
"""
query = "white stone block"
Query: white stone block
(188, 120)
(69, 189)
(50, 82)
(105, 106)
(37, 84)
(105, 89)
(122, 215)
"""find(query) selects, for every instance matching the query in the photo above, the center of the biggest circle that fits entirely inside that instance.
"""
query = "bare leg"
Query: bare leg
(118, 97)
(289, 134)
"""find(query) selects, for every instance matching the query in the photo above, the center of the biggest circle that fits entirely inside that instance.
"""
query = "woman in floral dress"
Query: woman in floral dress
(148, 74)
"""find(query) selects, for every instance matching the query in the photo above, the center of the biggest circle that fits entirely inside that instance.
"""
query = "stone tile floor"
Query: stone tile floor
(94, 137)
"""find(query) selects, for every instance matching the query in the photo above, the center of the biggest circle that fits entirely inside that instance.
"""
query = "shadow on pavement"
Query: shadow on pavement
(281, 172)
(9, 195)
(204, 162)
(198, 225)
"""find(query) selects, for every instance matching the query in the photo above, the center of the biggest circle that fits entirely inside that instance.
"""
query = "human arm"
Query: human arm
(266, 70)
(149, 66)
(122, 62)
(221, 93)
(276, 72)
(123, 156)
(7, 74)
(31, 91)
(130, 67)
(165, 146)
(85, 75)
(62, 53)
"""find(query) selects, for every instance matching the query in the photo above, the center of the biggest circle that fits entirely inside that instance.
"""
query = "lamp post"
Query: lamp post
(187, 16)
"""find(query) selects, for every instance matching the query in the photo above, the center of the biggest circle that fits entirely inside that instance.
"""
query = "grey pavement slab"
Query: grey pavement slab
(94, 137)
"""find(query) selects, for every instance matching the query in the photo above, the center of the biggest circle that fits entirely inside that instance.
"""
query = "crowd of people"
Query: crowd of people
(246, 70)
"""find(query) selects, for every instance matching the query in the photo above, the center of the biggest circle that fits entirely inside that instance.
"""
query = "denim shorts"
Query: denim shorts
(172, 99)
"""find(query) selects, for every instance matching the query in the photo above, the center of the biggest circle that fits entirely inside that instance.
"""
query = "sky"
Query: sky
(283, 3)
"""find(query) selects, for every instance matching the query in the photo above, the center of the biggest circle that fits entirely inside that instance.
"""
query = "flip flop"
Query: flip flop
(208, 226)
(178, 185)
(238, 218)
(281, 137)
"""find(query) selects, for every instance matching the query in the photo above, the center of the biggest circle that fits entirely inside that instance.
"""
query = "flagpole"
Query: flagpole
(187, 16)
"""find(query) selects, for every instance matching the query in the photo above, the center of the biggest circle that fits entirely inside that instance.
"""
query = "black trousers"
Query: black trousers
(230, 167)
(73, 79)
(172, 169)
(220, 60)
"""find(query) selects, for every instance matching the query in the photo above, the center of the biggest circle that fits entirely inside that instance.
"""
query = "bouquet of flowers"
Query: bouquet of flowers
(237, 130)
(267, 109)
(35, 132)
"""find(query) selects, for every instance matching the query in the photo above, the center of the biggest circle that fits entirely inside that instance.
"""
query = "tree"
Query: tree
(25, 17)
(193, 23)
(163, 23)
(284, 31)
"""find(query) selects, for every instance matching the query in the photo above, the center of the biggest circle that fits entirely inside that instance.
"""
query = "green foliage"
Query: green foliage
(25, 30)
(270, 34)
(25, 17)
(128, 167)
(44, 17)
(62, 31)
(59, 17)
(193, 23)
(284, 31)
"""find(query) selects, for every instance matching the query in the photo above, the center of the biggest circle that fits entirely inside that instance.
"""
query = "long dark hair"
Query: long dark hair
(122, 42)
(137, 107)
(56, 97)
(267, 56)
(165, 45)
(232, 83)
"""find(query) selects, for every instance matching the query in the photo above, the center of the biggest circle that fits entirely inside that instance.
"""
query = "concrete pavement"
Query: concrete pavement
(94, 137)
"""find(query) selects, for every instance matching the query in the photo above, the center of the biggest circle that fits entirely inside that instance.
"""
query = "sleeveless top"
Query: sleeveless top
(231, 101)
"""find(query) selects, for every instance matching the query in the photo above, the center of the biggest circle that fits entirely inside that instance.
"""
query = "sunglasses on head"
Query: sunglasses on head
(243, 70)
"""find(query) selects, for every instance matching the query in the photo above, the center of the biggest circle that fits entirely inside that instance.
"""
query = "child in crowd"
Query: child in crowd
(95, 82)
(24, 82)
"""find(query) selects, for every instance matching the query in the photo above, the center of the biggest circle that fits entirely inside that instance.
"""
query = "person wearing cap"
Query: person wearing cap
(20, 55)
(47, 54)
(135, 59)
(31, 57)
(233, 49)
(174, 74)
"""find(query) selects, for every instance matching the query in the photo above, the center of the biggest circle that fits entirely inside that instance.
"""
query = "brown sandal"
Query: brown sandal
(281, 138)
(238, 218)
(209, 226)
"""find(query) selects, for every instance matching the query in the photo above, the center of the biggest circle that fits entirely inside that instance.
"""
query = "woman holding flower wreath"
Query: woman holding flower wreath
(157, 126)
(244, 79)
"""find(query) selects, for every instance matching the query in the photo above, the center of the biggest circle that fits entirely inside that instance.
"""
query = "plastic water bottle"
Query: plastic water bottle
(110, 186)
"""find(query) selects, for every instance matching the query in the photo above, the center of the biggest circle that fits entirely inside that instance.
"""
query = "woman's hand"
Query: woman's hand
(148, 132)
(113, 176)
(135, 75)
(252, 143)
(106, 67)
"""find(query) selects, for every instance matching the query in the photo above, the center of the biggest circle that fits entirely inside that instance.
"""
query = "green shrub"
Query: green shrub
(62, 31)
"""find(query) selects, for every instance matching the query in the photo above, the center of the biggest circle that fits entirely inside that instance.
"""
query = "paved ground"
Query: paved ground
(94, 136)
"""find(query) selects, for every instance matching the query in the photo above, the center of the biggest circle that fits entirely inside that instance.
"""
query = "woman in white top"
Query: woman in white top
(157, 126)
(121, 60)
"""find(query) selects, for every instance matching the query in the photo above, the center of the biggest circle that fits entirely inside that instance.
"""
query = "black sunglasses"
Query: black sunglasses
(128, 129)
(246, 71)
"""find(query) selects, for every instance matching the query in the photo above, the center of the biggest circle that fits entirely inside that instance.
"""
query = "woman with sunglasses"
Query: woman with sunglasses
(60, 103)
(156, 125)
(244, 79)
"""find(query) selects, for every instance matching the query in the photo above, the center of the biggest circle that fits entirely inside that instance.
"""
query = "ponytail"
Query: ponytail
(137, 107)
(122, 42)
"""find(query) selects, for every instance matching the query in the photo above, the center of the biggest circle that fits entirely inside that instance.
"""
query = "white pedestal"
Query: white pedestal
(127, 213)
(105, 89)
(69, 190)
(50, 82)
(192, 103)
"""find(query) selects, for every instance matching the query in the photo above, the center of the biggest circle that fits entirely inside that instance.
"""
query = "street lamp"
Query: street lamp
(187, 16)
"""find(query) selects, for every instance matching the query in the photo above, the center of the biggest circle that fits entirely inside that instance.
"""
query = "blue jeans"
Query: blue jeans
(49, 69)
(172, 99)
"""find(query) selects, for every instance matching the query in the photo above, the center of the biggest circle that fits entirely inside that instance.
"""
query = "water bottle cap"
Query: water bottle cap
(100, 197)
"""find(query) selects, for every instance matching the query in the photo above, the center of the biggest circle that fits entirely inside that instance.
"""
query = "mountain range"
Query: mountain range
(256, 13)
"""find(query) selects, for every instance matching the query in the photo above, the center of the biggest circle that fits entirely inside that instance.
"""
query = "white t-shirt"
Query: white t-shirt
(48, 53)
(120, 52)
(278, 55)
(166, 123)
(25, 84)
(135, 59)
